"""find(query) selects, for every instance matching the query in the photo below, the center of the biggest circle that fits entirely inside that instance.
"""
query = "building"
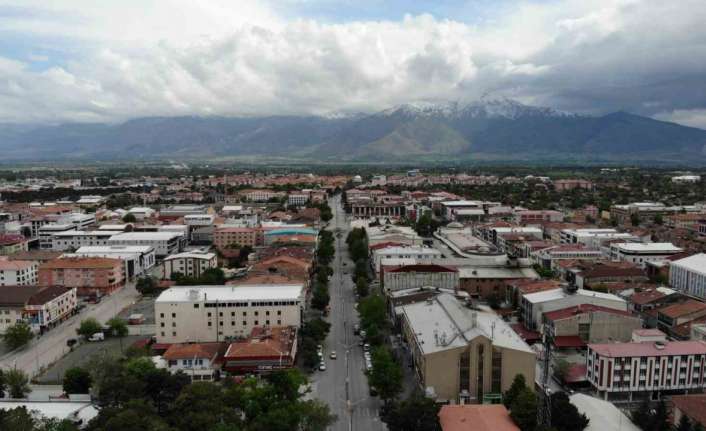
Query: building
(46, 233)
(12, 304)
(90, 275)
(265, 350)
(50, 306)
(142, 213)
(597, 274)
(593, 237)
(670, 317)
(218, 313)
(478, 417)
(18, 272)
(570, 184)
(693, 406)
(486, 280)
(575, 326)
(623, 370)
(12, 243)
(602, 415)
(534, 305)
(290, 234)
(460, 354)
(537, 216)
(648, 210)
(403, 253)
(418, 276)
(177, 211)
(641, 253)
(164, 243)
(688, 275)
(686, 179)
(138, 258)
(297, 199)
(547, 257)
(74, 239)
(190, 264)
(225, 237)
(200, 361)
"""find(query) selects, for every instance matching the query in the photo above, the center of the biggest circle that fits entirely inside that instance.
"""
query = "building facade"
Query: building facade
(688, 275)
(90, 275)
(190, 264)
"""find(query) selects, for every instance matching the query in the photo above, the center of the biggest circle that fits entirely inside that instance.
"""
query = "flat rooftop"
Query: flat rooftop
(251, 292)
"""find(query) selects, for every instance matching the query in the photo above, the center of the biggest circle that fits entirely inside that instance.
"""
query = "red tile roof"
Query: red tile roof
(11, 239)
(82, 262)
(649, 348)
(277, 343)
(193, 351)
(476, 417)
(424, 268)
(646, 296)
(682, 309)
(569, 341)
(580, 309)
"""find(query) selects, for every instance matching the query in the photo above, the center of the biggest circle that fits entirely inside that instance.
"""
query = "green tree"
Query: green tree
(201, 407)
(373, 318)
(659, 421)
(118, 327)
(320, 297)
(3, 384)
(89, 327)
(17, 383)
(634, 220)
(17, 335)
(565, 416)
(17, 419)
(641, 416)
(315, 416)
(417, 413)
(523, 410)
(146, 285)
(316, 328)
(129, 218)
(308, 350)
(518, 384)
(386, 375)
(361, 287)
(77, 380)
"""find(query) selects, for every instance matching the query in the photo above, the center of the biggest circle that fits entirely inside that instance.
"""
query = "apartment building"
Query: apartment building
(419, 276)
(460, 354)
(190, 264)
(688, 275)
(648, 210)
(594, 238)
(403, 253)
(50, 306)
(548, 257)
(624, 370)
(90, 275)
(537, 216)
(224, 237)
(219, 313)
(12, 243)
(18, 272)
(46, 233)
(641, 253)
(587, 323)
(74, 239)
(138, 259)
(164, 243)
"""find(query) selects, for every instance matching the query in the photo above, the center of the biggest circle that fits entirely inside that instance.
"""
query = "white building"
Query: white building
(620, 370)
(297, 199)
(50, 306)
(199, 219)
(73, 239)
(47, 232)
(686, 179)
(196, 360)
(594, 237)
(403, 253)
(641, 253)
(217, 313)
(18, 272)
(688, 275)
(138, 258)
(142, 213)
(534, 305)
(164, 243)
(191, 264)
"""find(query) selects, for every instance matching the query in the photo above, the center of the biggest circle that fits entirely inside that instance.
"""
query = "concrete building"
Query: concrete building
(46, 233)
(177, 211)
(640, 253)
(50, 306)
(200, 361)
(671, 317)
(90, 275)
(648, 210)
(142, 213)
(537, 216)
(418, 276)
(18, 272)
(688, 275)
(594, 238)
(225, 236)
(297, 199)
(164, 243)
(403, 253)
(581, 324)
(12, 243)
(460, 354)
(547, 257)
(534, 305)
(12, 304)
(74, 239)
(190, 264)
(265, 350)
(219, 313)
(624, 370)
(138, 258)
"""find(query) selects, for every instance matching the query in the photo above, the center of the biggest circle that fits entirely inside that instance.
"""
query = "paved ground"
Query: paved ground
(343, 385)
(82, 354)
(43, 351)
(144, 306)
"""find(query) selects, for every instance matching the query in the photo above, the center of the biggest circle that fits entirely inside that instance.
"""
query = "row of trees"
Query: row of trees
(211, 276)
(324, 256)
(523, 404)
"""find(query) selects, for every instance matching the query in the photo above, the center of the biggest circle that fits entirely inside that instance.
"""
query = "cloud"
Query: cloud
(176, 57)
(687, 117)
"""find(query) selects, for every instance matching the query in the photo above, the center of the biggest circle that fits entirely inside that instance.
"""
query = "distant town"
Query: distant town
(411, 299)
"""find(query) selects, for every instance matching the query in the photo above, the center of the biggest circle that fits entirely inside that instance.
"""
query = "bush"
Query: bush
(18, 335)
(77, 381)
(17, 383)
(89, 327)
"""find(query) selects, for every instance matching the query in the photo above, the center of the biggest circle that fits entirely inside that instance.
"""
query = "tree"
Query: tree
(641, 416)
(561, 369)
(511, 394)
(320, 297)
(634, 220)
(146, 285)
(658, 220)
(417, 413)
(684, 424)
(315, 416)
(77, 380)
(316, 328)
(494, 301)
(361, 287)
(89, 327)
(310, 357)
(373, 318)
(17, 383)
(660, 419)
(3, 384)
(565, 416)
(18, 335)
(129, 218)
(523, 410)
(386, 375)
(17, 419)
(118, 327)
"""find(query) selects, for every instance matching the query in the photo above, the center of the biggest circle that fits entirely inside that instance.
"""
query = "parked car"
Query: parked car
(363, 333)
(356, 329)
(322, 367)
(366, 347)
(373, 391)
(333, 355)
(98, 336)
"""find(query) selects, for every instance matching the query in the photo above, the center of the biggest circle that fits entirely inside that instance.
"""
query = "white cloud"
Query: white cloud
(177, 57)
(687, 117)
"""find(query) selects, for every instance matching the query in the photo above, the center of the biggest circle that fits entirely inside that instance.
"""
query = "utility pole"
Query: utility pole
(544, 407)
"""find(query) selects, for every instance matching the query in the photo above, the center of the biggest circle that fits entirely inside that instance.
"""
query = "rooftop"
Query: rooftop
(191, 255)
(552, 295)
(652, 247)
(15, 265)
(649, 348)
(81, 262)
(263, 342)
(253, 292)
(695, 263)
(477, 417)
(145, 236)
(580, 309)
(687, 307)
(603, 415)
(192, 351)
(692, 405)
(16, 295)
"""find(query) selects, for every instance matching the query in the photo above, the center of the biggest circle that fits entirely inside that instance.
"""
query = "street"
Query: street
(344, 386)
(51, 346)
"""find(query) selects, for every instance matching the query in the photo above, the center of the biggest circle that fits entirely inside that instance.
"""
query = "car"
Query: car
(366, 347)
(98, 336)
(356, 329)
(361, 342)
(322, 367)
(363, 333)
(373, 392)
(332, 355)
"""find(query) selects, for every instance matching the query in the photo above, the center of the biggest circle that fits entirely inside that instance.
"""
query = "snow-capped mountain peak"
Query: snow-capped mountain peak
(483, 108)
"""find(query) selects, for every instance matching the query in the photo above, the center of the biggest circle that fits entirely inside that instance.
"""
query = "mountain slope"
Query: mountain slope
(489, 128)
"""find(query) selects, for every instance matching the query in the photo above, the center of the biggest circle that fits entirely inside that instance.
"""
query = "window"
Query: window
(174, 334)
(279, 312)
(209, 324)
(173, 324)
(161, 315)
(208, 314)
(173, 315)
(196, 305)
(162, 333)
(257, 323)
(245, 323)
(479, 371)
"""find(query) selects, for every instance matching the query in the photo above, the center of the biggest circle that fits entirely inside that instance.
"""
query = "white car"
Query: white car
(366, 347)
(333, 355)
(322, 367)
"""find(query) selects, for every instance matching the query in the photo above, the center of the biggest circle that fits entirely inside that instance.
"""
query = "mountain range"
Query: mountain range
(488, 129)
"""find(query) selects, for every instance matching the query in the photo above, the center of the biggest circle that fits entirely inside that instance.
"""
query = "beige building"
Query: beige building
(227, 236)
(588, 323)
(461, 354)
(220, 313)
(190, 264)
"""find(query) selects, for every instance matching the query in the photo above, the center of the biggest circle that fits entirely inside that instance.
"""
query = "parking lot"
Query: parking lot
(144, 306)
(82, 354)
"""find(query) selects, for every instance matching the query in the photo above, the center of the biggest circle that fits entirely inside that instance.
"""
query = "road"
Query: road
(43, 351)
(344, 386)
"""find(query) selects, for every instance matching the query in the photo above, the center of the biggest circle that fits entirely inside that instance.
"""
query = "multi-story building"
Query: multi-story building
(586, 323)
(547, 257)
(224, 237)
(177, 211)
(460, 354)
(403, 253)
(219, 313)
(688, 275)
(569, 184)
(142, 213)
(671, 317)
(138, 258)
(419, 276)
(12, 243)
(46, 233)
(164, 243)
(623, 370)
(12, 304)
(537, 216)
(646, 210)
(199, 361)
(18, 272)
(50, 306)
(641, 253)
(74, 239)
(265, 350)
(190, 264)
(297, 199)
(90, 275)
(594, 238)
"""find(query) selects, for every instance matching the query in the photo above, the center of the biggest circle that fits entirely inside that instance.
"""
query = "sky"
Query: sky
(112, 60)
